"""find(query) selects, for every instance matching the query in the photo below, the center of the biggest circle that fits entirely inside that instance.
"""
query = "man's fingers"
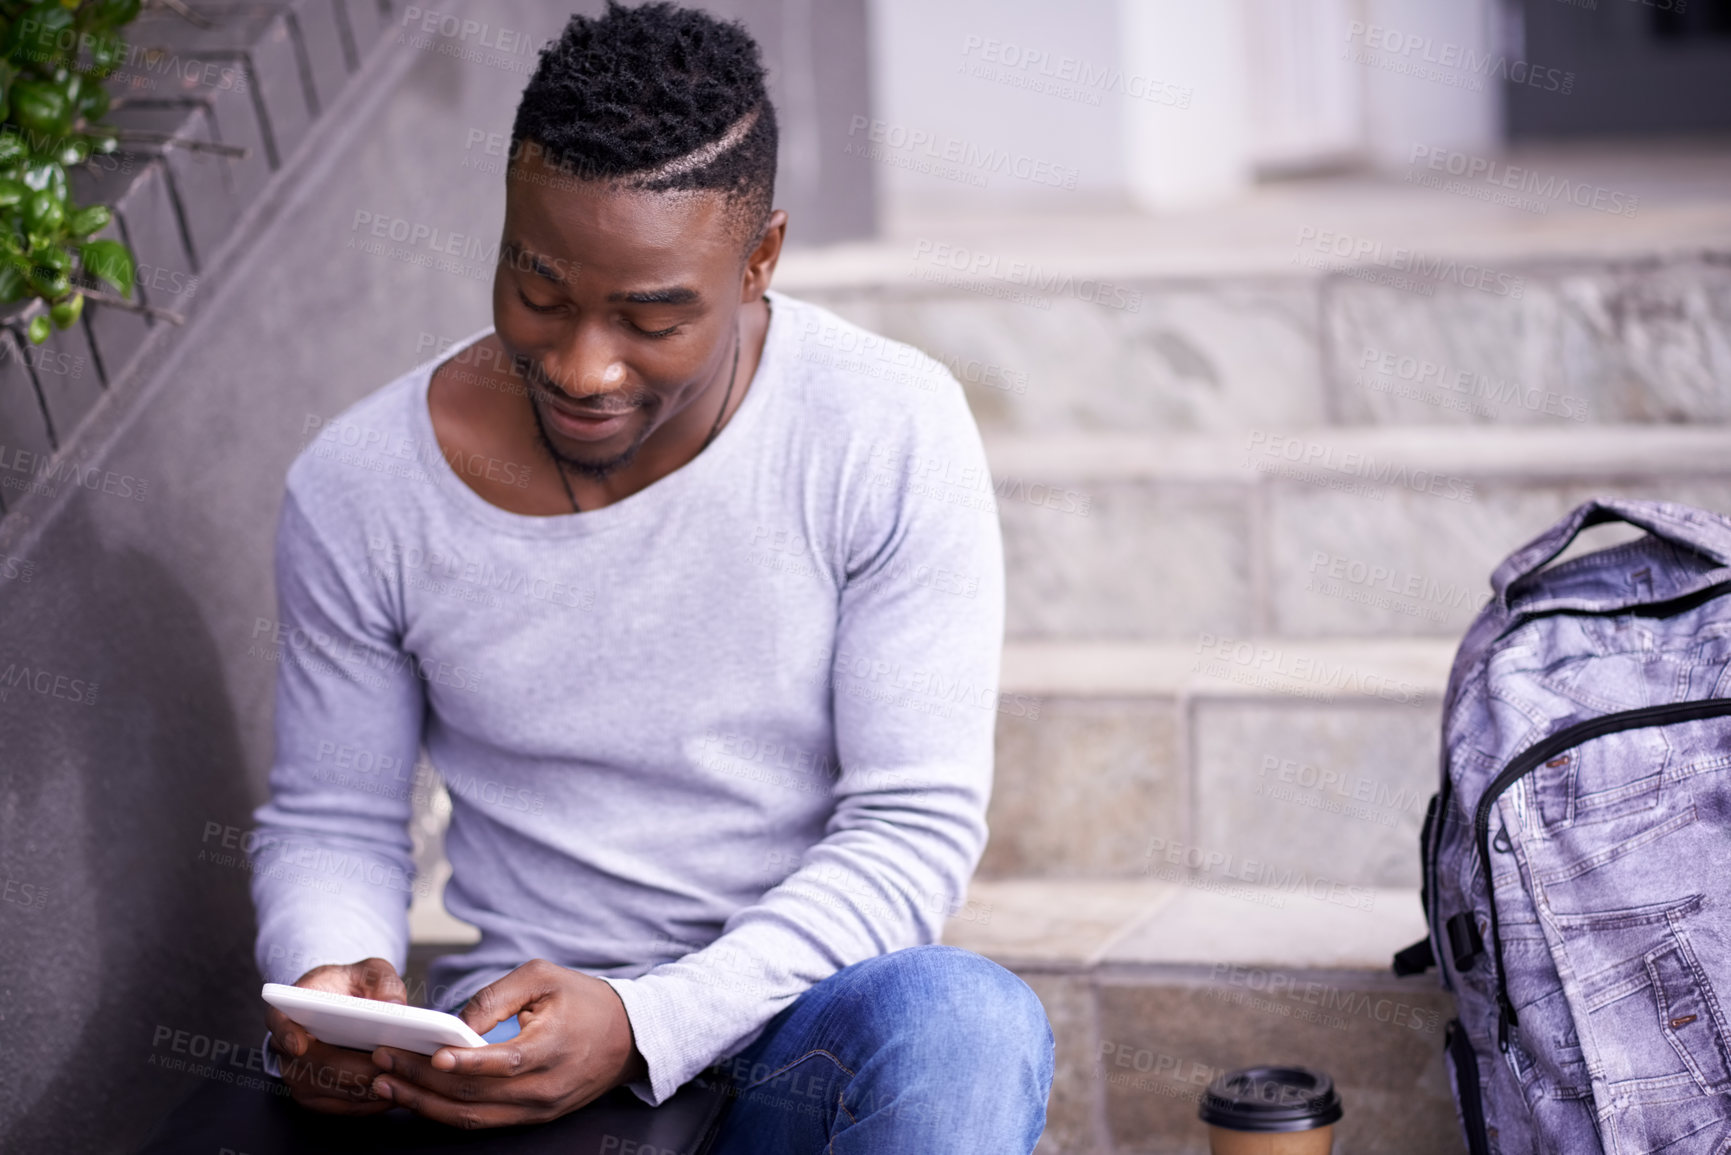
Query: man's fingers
(499, 1000)
(408, 1067)
(376, 978)
(468, 1115)
(285, 1033)
(331, 1072)
(499, 1060)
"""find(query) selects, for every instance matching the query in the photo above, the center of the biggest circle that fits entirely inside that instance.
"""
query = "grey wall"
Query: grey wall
(122, 920)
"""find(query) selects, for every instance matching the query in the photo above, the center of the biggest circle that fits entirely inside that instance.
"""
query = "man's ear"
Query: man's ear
(760, 262)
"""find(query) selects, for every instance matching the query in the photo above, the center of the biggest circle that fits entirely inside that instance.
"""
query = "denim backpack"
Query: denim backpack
(1577, 857)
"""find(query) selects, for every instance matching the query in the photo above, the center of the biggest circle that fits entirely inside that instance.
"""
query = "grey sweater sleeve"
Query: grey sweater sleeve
(332, 868)
(914, 682)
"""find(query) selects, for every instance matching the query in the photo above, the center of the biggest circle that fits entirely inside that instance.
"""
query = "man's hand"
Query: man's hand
(575, 1045)
(335, 1080)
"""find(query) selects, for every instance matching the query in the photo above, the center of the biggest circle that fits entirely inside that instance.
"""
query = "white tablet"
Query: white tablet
(345, 1021)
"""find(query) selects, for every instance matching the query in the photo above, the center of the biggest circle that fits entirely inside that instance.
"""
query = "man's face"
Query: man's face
(618, 305)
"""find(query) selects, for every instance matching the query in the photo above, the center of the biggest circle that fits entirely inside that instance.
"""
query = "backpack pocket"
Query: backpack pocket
(1653, 1022)
(1615, 776)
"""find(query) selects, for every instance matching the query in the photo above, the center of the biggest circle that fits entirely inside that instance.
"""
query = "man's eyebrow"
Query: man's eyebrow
(534, 261)
(673, 295)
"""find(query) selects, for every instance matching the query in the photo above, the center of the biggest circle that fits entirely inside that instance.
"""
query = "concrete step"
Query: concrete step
(1301, 532)
(1585, 341)
(1260, 759)
(1154, 986)
(1344, 301)
(1158, 983)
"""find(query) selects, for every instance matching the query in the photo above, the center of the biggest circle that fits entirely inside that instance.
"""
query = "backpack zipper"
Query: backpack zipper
(1543, 751)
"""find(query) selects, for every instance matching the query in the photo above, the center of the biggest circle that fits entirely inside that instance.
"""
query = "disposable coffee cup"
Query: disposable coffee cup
(1271, 1111)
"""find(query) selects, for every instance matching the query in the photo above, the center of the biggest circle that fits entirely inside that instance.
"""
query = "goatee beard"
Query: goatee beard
(594, 470)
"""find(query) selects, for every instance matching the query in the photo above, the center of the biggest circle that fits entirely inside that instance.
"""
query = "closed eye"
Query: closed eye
(657, 333)
(532, 306)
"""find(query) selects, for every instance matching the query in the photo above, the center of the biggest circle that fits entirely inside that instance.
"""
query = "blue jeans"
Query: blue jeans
(932, 1048)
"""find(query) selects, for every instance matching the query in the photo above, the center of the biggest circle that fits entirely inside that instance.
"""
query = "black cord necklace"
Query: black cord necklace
(713, 429)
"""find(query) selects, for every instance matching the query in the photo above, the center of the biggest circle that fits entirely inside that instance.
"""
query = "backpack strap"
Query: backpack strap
(1415, 959)
(1696, 529)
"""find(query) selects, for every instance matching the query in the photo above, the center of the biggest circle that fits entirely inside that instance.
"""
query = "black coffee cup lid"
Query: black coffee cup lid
(1271, 1099)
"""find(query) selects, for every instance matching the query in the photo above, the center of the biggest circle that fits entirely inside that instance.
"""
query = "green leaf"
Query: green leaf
(13, 192)
(113, 13)
(50, 282)
(45, 173)
(12, 148)
(39, 329)
(93, 101)
(36, 36)
(76, 150)
(41, 107)
(66, 312)
(85, 221)
(14, 286)
(110, 261)
(44, 212)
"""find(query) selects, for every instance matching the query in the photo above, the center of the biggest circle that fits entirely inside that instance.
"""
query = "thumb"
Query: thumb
(376, 978)
(502, 998)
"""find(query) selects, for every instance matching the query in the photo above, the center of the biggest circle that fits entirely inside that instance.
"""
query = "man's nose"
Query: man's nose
(587, 376)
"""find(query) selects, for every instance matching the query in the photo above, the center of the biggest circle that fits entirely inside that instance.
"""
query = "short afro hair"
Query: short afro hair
(657, 97)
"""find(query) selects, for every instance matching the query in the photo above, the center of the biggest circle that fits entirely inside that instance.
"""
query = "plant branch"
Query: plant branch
(102, 298)
(192, 144)
(190, 15)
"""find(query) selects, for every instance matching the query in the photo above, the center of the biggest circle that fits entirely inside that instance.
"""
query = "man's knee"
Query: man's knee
(945, 999)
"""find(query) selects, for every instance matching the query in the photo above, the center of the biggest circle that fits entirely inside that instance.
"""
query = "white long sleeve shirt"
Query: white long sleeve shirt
(710, 743)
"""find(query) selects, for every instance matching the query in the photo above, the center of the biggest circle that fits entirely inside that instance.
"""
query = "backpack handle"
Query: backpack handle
(1704, 532)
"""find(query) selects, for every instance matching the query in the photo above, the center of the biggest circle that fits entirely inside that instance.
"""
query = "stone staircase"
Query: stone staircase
(1251, 492)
